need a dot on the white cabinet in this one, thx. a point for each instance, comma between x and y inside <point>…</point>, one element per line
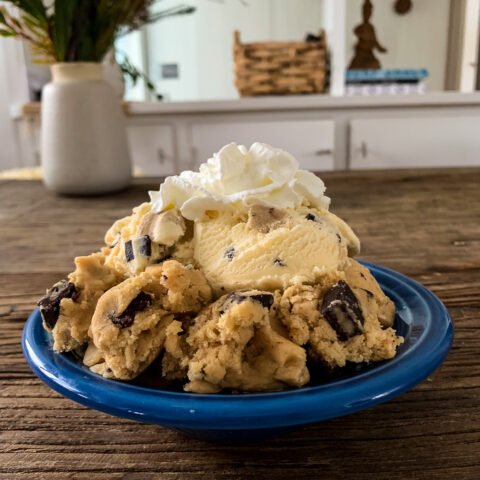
<point>311,142</point>
<point>415,142</point>
<point>153,149</point>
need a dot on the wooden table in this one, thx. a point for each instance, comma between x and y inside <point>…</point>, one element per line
<point>425,224</point>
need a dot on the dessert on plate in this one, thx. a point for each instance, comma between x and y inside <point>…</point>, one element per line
<point>232,277</point>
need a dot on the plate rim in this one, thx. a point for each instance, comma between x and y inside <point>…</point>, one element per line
<point>254,410</point>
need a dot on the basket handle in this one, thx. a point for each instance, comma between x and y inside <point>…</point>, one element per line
<point>323,36</point>
<point>236,37</point>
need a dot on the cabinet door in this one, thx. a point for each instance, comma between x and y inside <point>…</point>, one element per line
<point>153,149</point>
<point>415,142</point>
<point>311,142</point>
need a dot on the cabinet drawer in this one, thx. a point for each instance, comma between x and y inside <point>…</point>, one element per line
<point>414,142</point>
<point>153,149</point>
<point>311,142</point>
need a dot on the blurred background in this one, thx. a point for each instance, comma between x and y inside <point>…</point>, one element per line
<point>355,84</point>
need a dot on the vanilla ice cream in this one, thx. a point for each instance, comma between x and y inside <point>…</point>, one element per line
<point>259,221</point>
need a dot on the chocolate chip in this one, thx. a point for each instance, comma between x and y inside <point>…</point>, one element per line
<point>339,238</point>
<point>362,275</point>
<point>138,247</point>
<point>235,297</point>
<point>230,253</point>
<point>279,262</point>
<point>311,217</point>
<point>145,246</point>
<point>129,256</point>
<point>138,304</point>
<point>265,299</point>
<point>49,305</point>
<point>341,309</point>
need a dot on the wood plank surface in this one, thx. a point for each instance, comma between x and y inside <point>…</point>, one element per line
<point>423,223</point>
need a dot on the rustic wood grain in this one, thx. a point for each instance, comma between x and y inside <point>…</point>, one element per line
<point>425,224</point>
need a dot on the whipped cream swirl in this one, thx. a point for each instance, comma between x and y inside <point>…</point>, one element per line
<point>236,178</point>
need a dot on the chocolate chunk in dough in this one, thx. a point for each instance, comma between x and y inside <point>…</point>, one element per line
<point>138,246</point>
<point>49,305</point>
<point>230,253</point>
<point>138,304</point>
<point>279,262</point>
<point>129,256</point>
<point>310,217</point>
<point>341,309</point>
<point>264,298</point>
<point>145,246</point>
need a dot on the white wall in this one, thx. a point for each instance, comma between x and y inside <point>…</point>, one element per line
<point>290,20</point>
<point>415,40</point>
<point>469,60</point>
<point>201,43</point>
<point>13,93</point>
<point>131,45</point>
<point>173,40</point>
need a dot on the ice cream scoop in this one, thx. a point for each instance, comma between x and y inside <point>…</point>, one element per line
<point>259,221</point>
<point>272,249</point>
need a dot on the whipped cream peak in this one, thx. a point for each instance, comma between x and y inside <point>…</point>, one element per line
<point>236,178</point>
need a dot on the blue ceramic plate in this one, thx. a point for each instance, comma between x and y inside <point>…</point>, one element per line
<point>421,319</point>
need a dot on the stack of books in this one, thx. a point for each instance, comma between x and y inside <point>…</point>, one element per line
<point>385,82</point>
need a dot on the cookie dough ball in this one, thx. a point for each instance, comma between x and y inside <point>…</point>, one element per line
<point>143,238</point>
<point>68,307</point>
<point>187,288</point>
<point>342,323</point>
<point>231,344</point>
<point>358,276</point>
<point>128,329</point>
<point>129,324</point>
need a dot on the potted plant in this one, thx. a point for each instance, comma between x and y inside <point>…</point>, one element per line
<point>84,143</point>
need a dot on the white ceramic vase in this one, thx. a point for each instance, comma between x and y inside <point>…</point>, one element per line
<point>84,142</point>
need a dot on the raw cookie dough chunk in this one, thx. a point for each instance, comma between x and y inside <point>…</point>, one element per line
<point>344,322</point>
<point>231,344</point>
<point>359,276</point>
<point>68,306</point>
<point>143,238</point>
<point>264,219</point>
<point>128,327</point>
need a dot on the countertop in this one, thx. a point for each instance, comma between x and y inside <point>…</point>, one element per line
<point>283,103</point>
<point>425,224</point>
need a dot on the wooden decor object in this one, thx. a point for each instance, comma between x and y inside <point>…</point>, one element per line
<point>403,6</point>
<point>364,58</point>
<point>280,68</point>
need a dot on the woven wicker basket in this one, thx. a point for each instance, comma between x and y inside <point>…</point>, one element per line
<point>280,68</point>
